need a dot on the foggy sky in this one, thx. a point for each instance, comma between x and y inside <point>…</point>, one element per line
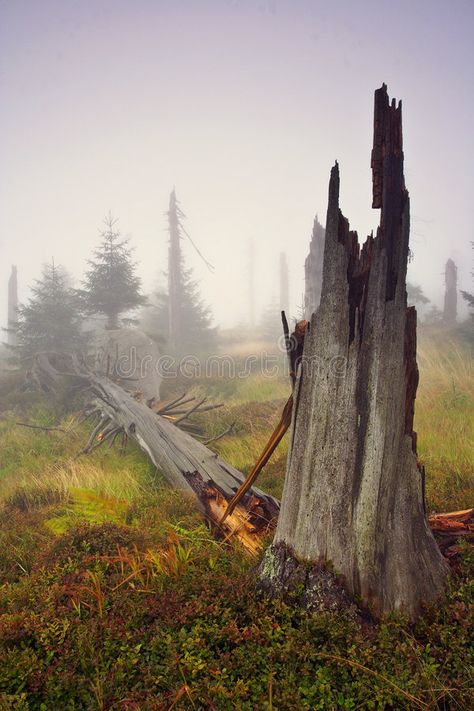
<point>243,106</point>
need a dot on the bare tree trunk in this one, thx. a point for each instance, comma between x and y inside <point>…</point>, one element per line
<point>174,275</point>
<point>313,270</point>
<point>12,307</point>
<point>451,292</point>
<point>353,491</point>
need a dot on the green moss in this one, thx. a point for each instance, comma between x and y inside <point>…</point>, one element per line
<point>86,505</point>
<point>176,609</point>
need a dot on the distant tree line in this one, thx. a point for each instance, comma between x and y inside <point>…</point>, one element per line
<point>57,316</point>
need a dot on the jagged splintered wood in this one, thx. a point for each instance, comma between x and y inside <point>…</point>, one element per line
<point>353,489</point>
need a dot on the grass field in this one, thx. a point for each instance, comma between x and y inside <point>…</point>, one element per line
<point>113,594</point>
<point>444,419</point>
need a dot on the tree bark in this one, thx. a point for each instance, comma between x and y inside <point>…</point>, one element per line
<point>353,491</point>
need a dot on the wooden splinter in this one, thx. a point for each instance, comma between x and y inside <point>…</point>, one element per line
<point>294,348</point>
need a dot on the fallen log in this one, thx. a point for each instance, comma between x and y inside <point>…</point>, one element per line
<point>185,463</point>
<point>450,528</point>
<point>462,521</point>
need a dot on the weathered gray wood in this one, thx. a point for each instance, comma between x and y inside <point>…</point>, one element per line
<point>313,270</point>
<point>353,492</point>
<point>189,465</point>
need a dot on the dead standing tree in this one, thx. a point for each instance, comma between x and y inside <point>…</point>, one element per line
<point>12,307</point>
<point>451,292</point>
<point>175,276</point>
<point>353,489</point>
<point>313,270</point>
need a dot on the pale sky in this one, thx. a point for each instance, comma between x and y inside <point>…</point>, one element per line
<point>243,105</point>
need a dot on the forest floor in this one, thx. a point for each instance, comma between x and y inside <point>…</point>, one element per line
<point>114,595</point>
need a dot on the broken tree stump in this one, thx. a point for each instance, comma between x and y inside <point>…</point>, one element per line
<point>353,491</point>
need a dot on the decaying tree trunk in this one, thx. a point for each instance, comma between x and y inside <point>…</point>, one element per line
<point>353,492</point>
<point>12,307</point>
<point>184,462</point>
<point>313,270</point>
<point>451,292</point>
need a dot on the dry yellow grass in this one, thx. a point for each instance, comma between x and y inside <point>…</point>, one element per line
<point>444,420</point>
<point>38,467</point>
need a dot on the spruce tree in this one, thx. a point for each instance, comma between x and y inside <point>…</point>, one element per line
<point>52,319</point>
<point>197,332</point>
<point>416,296</point>
<point>180,316</point>
<point>111,286</point>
